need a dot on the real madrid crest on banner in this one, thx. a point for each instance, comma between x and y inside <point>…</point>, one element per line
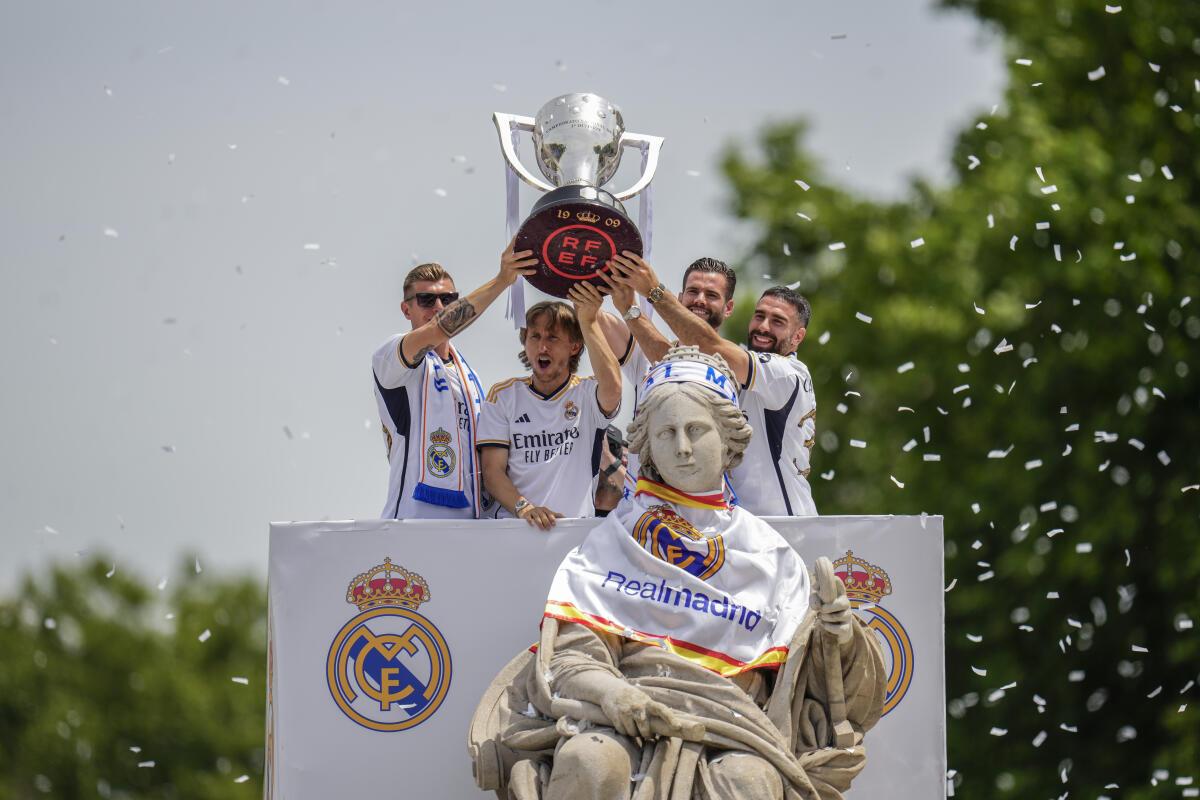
<point>388,668</point>
<point>440,456</point>
<point>667,536</point>
<point>866,585</point>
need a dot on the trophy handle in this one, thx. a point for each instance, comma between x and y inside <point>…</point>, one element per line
<point>650,145</point>
<point>506,124</point>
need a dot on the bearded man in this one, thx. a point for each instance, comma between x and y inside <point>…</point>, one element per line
<point>683,651</point>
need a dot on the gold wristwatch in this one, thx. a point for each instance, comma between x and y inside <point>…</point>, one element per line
<point>656,293</point>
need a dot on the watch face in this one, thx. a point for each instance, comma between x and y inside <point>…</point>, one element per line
<point>633,313</point>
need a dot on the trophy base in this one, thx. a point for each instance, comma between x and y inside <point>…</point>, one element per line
<point>574,231</point>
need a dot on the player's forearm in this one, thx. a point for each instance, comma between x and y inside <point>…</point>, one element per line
<point>687,326</point>
<point>649,338</point>
<point>453,319</point>
<point>692,330</point>
<point>500,486</point>
<point>604,367</point>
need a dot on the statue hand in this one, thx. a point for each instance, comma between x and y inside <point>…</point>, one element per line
<point>630,711</point>
<point>830,601</point>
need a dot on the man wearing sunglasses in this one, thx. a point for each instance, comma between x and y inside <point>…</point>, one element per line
<point>429,397</point>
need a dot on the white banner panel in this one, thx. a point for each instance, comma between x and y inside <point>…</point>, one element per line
<point>371,695</point>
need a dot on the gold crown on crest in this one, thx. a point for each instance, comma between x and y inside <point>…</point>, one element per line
<point>864,581</point>
<point>587,216</point>
<point>439,437</point>
<point>387,585</point>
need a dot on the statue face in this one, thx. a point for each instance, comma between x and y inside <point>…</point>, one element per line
<point>685,443</point>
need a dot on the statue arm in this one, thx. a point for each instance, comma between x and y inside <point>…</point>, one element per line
<point>584,668</point>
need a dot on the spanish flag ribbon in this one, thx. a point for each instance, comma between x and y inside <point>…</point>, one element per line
<point>711,500</point>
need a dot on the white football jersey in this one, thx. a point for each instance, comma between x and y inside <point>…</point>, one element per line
<point>781,407</point>
<point>398,393</point>
<point>553,442</point>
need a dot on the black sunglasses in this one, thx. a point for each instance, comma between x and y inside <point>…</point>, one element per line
<point>427,299</point>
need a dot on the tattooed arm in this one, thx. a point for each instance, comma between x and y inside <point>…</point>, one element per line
<point>456,317</point>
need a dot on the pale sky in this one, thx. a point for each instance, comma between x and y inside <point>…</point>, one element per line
<point>181,366</point>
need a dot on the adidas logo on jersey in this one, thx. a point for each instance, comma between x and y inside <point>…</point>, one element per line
<point>522,418</point>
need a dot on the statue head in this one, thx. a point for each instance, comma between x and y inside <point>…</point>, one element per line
<point>687,429</point>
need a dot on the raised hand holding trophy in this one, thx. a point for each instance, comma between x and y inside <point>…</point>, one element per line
<point>577,226</point>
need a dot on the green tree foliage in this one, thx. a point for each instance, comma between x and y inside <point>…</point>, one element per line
<point>112,689</point>
<point>1051,411</point>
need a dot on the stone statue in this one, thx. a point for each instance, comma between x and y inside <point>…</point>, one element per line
<point>685,652</point>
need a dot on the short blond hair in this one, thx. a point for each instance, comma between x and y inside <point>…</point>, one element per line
<point>430,272</point>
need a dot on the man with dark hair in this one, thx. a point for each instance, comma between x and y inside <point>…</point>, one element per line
<point>776,388</point>
<point>541,436</point>
<point>429,397</point>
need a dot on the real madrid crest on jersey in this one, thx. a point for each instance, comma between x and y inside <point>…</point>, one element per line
<point>665,535</point>
<point>866,585</point>
<point>440,456</point>
<point>388,668</point>
<point>570,410</point>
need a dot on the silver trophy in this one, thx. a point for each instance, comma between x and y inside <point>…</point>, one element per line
<point>577,226</point>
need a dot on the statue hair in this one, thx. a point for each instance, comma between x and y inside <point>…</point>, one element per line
<point>731,422</point>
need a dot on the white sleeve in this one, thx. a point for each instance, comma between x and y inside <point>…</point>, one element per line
<point>493,430</point>
<point>634,364</point>
<point>391,370</point>
<point>596,418</point>
<point>774,379</point>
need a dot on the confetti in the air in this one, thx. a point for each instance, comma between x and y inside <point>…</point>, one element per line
<point>802,185</point>
<point>838,246</point>
<point>905,367</point>
<point>204,636</point>
<point>918,242</point>
<point>861,317</point>
<point>1096,74</point>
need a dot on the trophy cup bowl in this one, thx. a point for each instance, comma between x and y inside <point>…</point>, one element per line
<point>576,226</point>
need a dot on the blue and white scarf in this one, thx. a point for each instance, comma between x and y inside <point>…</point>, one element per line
<point>447,453</point>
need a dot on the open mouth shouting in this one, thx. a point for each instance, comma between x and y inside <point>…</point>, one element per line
<point>543,362</point>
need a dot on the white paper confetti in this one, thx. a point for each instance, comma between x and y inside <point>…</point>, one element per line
<point>802,184</point>
<point>838,246</point>
<point>205,635</point>
<point>861,317</point>
<point>1096,74</point>
<point>918,242</point>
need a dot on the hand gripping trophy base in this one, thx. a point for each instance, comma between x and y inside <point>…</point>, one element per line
<point>574,231</point>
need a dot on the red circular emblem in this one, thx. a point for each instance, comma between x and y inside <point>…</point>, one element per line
<point>577,252</point>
